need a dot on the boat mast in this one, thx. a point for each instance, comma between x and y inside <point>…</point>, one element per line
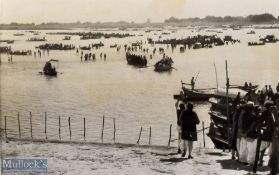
<point>227,93</point>
<point>216,77</point>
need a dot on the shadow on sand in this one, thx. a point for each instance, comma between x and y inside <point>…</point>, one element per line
<point>173,160</point>
<point>160,154</point>
<point>235,165</point>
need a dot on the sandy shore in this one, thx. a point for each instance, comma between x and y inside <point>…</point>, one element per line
<point>84,159</point>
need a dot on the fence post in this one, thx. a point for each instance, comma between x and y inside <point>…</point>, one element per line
<point>59,128</point>
<point>203,134</point>
<point>150,135</point>
<point>139,135</point>
<point>46,125</point>
<point>31,125</point>
<point>69,120</point>
<point>102,136</point>
<point>18,121</point>
<point>114,130</point>
<point>6,126</point>
<point>170,136</point>
<point>84,128</point>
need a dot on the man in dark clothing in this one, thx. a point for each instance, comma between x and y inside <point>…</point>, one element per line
<point>189,119</point>
<point>267,126</point>
<point>178,112</point>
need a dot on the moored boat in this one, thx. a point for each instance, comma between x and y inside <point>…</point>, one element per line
<point>163,65</point>
<point>251,32</point>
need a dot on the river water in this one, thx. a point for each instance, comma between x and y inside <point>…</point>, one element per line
<point>135,97</point>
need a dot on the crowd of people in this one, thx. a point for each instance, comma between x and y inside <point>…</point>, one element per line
<point>255,118</point>
<point>203,41</point>
<point>56,46</point>
<point>253,127</point>
<point>136,60</point>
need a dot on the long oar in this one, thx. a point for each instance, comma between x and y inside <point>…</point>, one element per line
<point>197,76</point>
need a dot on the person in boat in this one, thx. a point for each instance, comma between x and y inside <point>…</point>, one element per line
<point>247,135</point>
<point>248,96</point>
<point>179,109</point>
<point>250,85</point>
<point>188,120</point>
<point>261,98</point>
<point>245,85</point>
<point>192,83</point>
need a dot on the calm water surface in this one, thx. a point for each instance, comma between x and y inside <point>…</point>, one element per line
<point>135,97</point>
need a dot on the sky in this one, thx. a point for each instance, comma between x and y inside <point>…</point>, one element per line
<point>38,11</point>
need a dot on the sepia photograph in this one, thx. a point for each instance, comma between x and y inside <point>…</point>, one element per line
<point>139,87</point>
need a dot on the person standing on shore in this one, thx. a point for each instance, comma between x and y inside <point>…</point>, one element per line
<point>189,119</point>
<point>178,112</point>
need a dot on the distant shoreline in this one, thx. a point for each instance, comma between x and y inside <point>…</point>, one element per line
<point>135,25</point>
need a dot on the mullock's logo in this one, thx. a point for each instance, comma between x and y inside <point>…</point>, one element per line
<point>24,165</point>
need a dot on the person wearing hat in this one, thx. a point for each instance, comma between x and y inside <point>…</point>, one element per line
<point>188,120</point>
<point>178,112</point>
<point>247,132</point>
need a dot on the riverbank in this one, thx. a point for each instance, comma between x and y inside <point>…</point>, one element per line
<point>124,159</point>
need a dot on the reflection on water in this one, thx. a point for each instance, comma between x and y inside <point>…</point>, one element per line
<point>135,97</point>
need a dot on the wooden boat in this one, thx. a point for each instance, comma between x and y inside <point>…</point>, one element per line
<point>219,142</point>
<point>218,131</point>
<point>113,46</point>
<point>37,39</point>
<point>49,70</point>
<point>136,60</point>
<point>256,43</point>
<point>67,38</point>
<point>18,34</point>
<point>245,88</point>
<point>163,65</point>
<point>251,32</point>
<point>218,118</point>
<point>198,95</point>
<point>85,48</point>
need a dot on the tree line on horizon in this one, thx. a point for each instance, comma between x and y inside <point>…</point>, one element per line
<point>261,18</point>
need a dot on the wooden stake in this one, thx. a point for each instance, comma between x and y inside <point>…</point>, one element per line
<point>59,128</point>
<point>46,125</point>
<point>69,120</point>
<point>18,121</point>
<point>84,128</point>
<point>114,130</point>
<point>259,140</point>
<point>170,136</point>
<point>6,126</point>
<point>102,135</point>
<point>150,135</point>
<point>139,135</point>
<point>203,134</point>
<point>31,125</point>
